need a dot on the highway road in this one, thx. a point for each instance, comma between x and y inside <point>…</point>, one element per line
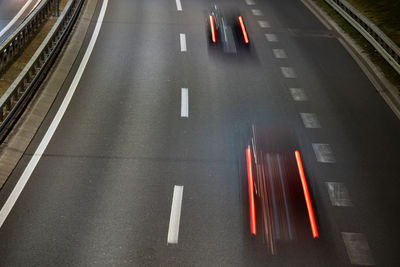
<point>157,108</point>
<point>12,13</point>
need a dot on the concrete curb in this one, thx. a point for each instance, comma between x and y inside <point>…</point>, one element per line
<point>13,148</point>
<point>383,86</point>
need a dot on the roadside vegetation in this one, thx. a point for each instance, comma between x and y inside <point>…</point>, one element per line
<point>383,13</point>
<point>388,21</point>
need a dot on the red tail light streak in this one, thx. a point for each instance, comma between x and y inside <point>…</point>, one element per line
<point>213,37</point>
<point>306,195</point>
<point>246,39</point>
<point>251,192</point>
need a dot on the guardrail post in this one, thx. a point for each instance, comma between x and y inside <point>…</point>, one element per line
<point>56,4</point>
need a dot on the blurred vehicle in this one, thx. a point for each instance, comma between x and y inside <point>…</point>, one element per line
<point>279,202</point>
<point>227,30</point>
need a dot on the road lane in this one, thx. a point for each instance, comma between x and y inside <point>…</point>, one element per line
<point>118,91</point>
<point>357,123</point>
<point>101,195</point>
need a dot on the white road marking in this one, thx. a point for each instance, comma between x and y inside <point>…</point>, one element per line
<point>178,5</point>
<point>185,102</point>
<point>271,37</point>
<point>175,217</point>
<point>263,24</point>
<point>256,12</point>
<point>288,72</point>
<point>183,42</point>
<point>17,16</point>
<point>338,194</point>
<point>324,153</point>
<point>279,53</point>
<point>250,2</point>
<point>5,210</point>
<point>310,120</point>
<point>358,249</point>
<point>298,94</point>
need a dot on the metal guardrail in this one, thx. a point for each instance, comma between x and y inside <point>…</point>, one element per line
<point>21,90</point>
<point>15,43</point>
<point>383,44</point>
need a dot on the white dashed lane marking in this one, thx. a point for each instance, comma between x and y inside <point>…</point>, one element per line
<point>298,94</point>
<point>279,53</point>
<point>256,12</point>
<point>358,249</point>
<point>271,37</point>
<point>263,24</point>
<point>323,153</point>
<point>338,194</point>
<point>288,72</point>
<point>183,42</point>
<point>185,102</point>
<point>175,217</point>
<point>250,2</point>
<point>178,5</point>
<point>310,120</point>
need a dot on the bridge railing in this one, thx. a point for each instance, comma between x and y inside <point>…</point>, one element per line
<point>13,101</point>
<point>15,43</point>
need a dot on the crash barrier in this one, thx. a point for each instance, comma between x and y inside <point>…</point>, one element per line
<point>386,47</point>
<point>14,44</point>
<point>20,91</point>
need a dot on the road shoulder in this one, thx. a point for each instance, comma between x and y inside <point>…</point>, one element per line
<point>382,85</point>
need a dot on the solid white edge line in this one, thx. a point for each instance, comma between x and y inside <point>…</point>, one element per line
<point>178,5</point>
<point>19,14</point>
<point>183,42</point>
<point>12,199</point>
<point>174,220</point>
<point>185,102</point>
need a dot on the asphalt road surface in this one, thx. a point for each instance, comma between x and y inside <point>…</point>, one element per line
<point>102,192</point>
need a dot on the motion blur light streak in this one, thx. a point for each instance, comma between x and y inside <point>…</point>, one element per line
<point>251,192</point>
<point>271,177</point>
<point>281,177</point>
<point>214,39</point>
<point>246,39</point>
<point>306,195</point>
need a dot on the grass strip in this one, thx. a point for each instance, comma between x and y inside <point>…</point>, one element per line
<point>383,13</point>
